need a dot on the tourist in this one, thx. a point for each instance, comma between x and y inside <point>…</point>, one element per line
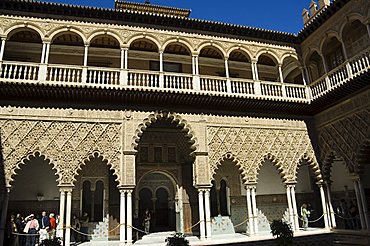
<point>20,223</point>
<point>31,229</point>
<point>76,226</point>
<point>343,212</point>
<point>146,221</point>
<point>45,225</point>
<point>52,226</point>
<point>305,213</point>
<point>14,240</point>
<point>59,228</point>
<point>84,227</point>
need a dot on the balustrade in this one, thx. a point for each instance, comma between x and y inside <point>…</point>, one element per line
<point>23,71</point>
<point>106,76</point>
<point>63,73</point>
<point>215,84</point>
<point>19,71</point>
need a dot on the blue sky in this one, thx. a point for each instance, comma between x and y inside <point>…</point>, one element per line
<point>280,15</point>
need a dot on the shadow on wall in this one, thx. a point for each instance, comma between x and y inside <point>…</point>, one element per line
<point>3,193</point>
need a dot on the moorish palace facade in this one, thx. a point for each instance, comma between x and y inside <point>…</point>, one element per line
<point>114,111</point>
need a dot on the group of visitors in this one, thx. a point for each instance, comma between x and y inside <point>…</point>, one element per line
<point>349,216</point>
<point>32,229</point>
<point>80,228</point>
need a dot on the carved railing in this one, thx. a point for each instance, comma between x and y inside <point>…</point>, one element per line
<point>19,71</point>
<point>45,73</point>
<point>106,76</point>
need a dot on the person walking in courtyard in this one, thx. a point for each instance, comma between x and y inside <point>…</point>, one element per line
<point>84,227</point>
<point>31,229</point>
<point>305,213</point>
<point>146,221</point>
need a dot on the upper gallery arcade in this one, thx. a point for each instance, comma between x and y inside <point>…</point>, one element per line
<point>142,107</point>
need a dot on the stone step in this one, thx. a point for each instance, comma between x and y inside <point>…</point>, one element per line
<point>157,238</point>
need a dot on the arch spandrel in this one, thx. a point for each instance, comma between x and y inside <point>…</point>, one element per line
<point>66,144</point>
<point>251,146</point>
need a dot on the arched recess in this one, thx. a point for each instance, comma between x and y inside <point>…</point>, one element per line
<point>168,116</point>
<point>240,64</point>
<point>143,55</point>
<point>104,197</point>
<point>270,189</point>
<point>177,58</point>
<point>332,50</point>
<point>67,47</point>
<point>211,61</point>
<point>355,38</point>
<point>228,193</point>
<point>308,177</point>
<point>164,143</point>
<point>291,71</point>
<point>267,66</point>
<point>337,175</point>
<point>23,44</point>
<point>104,51</point>
<point>315,66</point>
<point>35,188</point>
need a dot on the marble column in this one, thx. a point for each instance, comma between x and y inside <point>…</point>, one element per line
<point>359,203</point>
<point>201,215</point>
<point>208,213</point>
<point>281,74</point>
<point>290,207</point>
<point>62,202</point>
<point>129,216</point>
<point>323,201</point>
<point>68,218</point>
<point>2,48</point>
<point>122,215</point>
<point>331,210</point>
<point>250,215</point>
<point>4,211</point>
<point>254,209</point>
<point>364,204</point>
<point>294,205</point>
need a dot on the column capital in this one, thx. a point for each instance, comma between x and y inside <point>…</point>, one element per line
<point>161,51</point>
<point>195,53</point>
<point>126,188</point>
<point>250,186</point>
<point>86,44</point>
<point>226,58</point>
<point>290,185</point>
<point>124,47</point>
<point>355,177</point>
<point>201,188</point>
<point>129,152</point>
<point>65,188</point>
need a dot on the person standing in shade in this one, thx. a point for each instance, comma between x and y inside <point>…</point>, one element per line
<point>31,229</point>
<point>45,226</point>
<point>84,227</point>
<point>146,221</point>
<point>305,213</point>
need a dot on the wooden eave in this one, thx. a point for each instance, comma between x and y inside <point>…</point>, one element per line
<point>143,19</point>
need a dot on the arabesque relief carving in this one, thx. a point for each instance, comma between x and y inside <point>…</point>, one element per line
<point>66,144</point>
<point>249,147</point>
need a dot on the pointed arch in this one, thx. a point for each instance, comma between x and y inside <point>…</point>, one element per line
<point>174,118</point>
<point>275,162</point>
<point>28,157</point>
<point>314,166</point>
<point>97,154</point>
<point>228,156</point>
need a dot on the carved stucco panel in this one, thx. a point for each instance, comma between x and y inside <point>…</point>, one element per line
<point>345,137</point>
<point>250,146</point>
<point>65,144</point>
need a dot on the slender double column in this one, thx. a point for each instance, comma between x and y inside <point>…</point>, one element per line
<point>291,205</point>
<point>361,203</point>
<point>65,211</point>
<point>204,213</point>
<point>252,209</point>
<point>195,71</point>
<point>324,206</point>
<point>332,221</point>
<point>2,48</point>
<point>126,215</point>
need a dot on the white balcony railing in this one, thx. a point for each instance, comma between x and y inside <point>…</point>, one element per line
<point>341,74</point>
<point>19,71</point>
<point>43,73</point>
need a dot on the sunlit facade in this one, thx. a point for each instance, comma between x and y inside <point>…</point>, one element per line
<point>115,111</point>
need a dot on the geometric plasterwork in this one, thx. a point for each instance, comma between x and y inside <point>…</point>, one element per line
<point>67,145</point>
<point>250,147</point>
<point>346,137</point>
